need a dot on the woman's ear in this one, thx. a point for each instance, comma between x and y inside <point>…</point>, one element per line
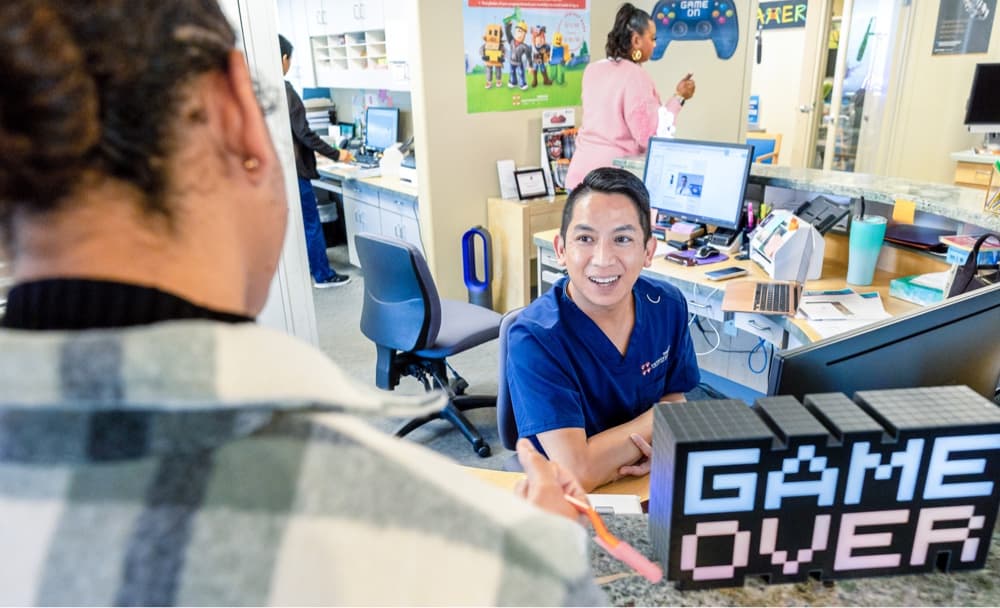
<point>249,136</point>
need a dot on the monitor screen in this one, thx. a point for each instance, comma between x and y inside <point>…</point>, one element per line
<point>698,181</point>
<point>381,128</point>
<point>953,342</point>
<point>982,113</point>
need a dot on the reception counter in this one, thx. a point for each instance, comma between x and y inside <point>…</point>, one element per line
<point>626,588</point>
<point>951,202</point>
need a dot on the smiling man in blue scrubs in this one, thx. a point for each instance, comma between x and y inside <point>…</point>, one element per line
<point>589,358</point>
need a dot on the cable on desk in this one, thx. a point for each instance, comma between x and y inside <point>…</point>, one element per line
<point>762,346</point>
<point>718,336</point>
<point>704,336</point>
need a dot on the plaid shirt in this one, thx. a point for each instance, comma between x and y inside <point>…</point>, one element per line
<point>194,462</point>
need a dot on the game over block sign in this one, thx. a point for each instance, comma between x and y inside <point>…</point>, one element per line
<point>896,482</point>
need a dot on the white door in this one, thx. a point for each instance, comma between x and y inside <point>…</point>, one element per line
<point>845,85</point>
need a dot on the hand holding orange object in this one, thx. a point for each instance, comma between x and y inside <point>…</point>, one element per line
<point>547,484</point>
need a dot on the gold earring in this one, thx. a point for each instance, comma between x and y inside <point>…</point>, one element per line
<point>251,164</point>
<point>636,55</point>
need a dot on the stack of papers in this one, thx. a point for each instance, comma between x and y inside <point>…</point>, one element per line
<point>836,311</point>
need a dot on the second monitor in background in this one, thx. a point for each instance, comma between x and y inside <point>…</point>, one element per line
<point>698,181</point>
<point>381,129</point>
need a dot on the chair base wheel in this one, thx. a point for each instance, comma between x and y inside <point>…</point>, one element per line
<point>482,450</point>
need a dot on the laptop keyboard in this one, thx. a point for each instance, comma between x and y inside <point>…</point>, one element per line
<point>771,297</point>
<point>365,160</point>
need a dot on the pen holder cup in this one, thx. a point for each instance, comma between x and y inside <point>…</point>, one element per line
<point>865,244</point>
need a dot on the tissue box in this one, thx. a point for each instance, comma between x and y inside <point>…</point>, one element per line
<point>905,289</point>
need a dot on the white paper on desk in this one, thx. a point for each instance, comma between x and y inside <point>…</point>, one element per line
<point>831,328</point>
<point>505,171</point>
<point>615,504</point>
<point>834,312</point>
<point>840,306</point>
<point>934,280</point>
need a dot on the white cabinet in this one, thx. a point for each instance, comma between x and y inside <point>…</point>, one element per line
<point>399,217</point>
<point>369,208</point>
<point>293,16</point>
<point>400,47</point>
<point>339,16</point>
<point>361,15</point>
<point>363,44</point>
<point>361,213</point>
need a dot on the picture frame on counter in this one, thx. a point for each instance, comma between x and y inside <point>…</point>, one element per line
<point>530,183</point>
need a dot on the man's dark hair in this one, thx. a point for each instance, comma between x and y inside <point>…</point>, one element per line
<point>286,46</point>
<point>611,180</point>
<point>629,20</point>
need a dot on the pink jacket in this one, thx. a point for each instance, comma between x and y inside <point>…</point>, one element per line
<point>620,106</point>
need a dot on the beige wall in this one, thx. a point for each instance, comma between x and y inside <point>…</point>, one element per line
<point>926,116</point>
<point>457,151</point>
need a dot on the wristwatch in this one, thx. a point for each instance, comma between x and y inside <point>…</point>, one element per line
<point>679,99</point>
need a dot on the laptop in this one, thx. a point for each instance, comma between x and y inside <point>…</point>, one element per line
<point>769,297</point>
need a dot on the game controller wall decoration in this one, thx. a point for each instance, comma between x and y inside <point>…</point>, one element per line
<point>697,20</point>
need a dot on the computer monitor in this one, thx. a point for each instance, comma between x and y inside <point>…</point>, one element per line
<point>698,181</point>
<point>381,128</point>
<point>982,112</point>
<point>953,342</point>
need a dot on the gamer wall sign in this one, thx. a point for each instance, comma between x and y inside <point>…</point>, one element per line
<point>898,482</point>
<point>782,14</point>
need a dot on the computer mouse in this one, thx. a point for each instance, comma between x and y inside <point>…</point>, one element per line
<point>706,251</point>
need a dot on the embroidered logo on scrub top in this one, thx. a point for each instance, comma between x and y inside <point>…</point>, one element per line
<point>648,367</point>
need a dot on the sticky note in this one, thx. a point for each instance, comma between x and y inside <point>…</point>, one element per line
<point>903,210</point>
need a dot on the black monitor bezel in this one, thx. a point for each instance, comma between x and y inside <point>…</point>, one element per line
<point>976,90</point>
<point>367,116</point>
<point>691,217</point>
<point>791,369</point>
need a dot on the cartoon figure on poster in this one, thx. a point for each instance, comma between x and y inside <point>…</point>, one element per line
<point>504,40</point>
<point>520,52</point>
<point>559,58</point>
<point>540,56</point>
<point>492,53</point>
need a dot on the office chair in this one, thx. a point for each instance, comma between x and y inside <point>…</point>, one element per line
<point>766,147</point>
<point>506,424</point>
<point>414,330</point>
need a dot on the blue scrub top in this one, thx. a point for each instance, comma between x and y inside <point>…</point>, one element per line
<point>563,372</point>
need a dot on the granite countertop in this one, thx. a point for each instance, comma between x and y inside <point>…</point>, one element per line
<point>953,202</point>
<point>625,588</point>
<point>971,156</point>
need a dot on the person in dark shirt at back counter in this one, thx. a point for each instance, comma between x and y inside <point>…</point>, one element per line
<point>305,141</point>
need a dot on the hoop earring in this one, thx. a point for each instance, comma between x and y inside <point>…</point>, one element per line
<point>636,55</point>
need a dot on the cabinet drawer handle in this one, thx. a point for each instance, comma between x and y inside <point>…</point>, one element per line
<point>753,323</point>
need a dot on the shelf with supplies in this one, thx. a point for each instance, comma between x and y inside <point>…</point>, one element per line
<point>352,60</point>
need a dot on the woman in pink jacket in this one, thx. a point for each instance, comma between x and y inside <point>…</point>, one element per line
<point>620,102</point>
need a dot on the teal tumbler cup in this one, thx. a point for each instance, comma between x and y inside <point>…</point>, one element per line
<point>865,244</point>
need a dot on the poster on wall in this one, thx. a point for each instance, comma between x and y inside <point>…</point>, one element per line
<point>964,26</point>
<point>524,55</point>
